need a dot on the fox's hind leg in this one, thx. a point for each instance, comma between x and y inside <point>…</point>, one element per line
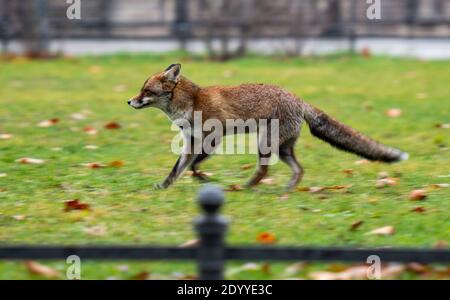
<point>206,153</point>
<point>261,171</point>
<point>196,173</point>
<point>287,155</point>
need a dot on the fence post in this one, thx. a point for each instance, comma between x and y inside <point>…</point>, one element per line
<point>211,228</point>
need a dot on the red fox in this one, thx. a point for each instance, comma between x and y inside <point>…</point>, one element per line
<point>179,97</point>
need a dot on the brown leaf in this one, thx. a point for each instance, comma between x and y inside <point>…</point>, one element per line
<point>440,244</point>
<point>113,125</point>
<point>234,188</point>
<point>394,112</point>
<point>356,224</point>
<point>386,230</point>
<point>417,195</point>
<point>117,163</point>
<point>48,123</point>
<point>294,269</point>
<point>419,209</point>
<point>443,126</point>
<point>144,275</point>
<point>247,166</point>
<point>19,217</point>
<point>266,238</point>
<point>366,53</point>
<point>39,269</point>
<point>349,172</point>
<point>94,165</point>
<point>29,160</point>
<point>75,204</point>
<point>418,268</point>
<point>284,197</point>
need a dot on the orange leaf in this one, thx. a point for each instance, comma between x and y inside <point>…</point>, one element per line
<point>39,269</point>
<point>113,125</point>
<point>75,205</point>
<point>418,209</point>
<point>394,112</point>
<point>117,163</point>
<point>266,238</point>
<point>417,195</point>
<point>5,136</point>
<point>29,160</point>
<point>90,130</point>
<point>48,123</point>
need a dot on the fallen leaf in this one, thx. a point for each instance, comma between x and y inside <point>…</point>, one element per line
<point>3,174</point>
<point>359,272</point>
<point>268,181</point>
<point>349,172</point>
<point>19,217</point>
<point>356,225</point>
<point>234,188</point>
<point>91,147</point>
<point>383,175</point>
<point>366,53</point>
<point>123,268</point>
<point>48,123</point>
<point>141,276</point>
<point>317,189</point>
<point>266,238</point>
<point>56,149</point>
<point>39,269</point>
<point>418,268</point>
<point>245,267</point>
<point>5,136</point>
<point>417,195</point>
<point>90,130</point>
<point>75,204</point>
<point>117,163</point>
<point>294,269</point>
<point>381,183</point>
<point>78,116</point>
<point>247,166</point>
<point>418,209</point>
<point>112,126</point>
<point>394,112</point>
<point>443,126</point>
<point>362,162</point>
<point>386,230</point>
<point>98,230</point>
<point>29,160</point>
<point>190,243</point>
<point>94,165</point>
<point>439,185</point>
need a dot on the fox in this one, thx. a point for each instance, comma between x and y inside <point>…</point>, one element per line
<point>178,97</point>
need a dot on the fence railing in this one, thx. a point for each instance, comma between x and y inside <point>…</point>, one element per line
<point>212,252</point>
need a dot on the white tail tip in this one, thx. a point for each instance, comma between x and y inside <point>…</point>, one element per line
<point>404,156</point>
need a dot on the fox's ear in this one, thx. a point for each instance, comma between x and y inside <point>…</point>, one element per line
<point>172,73</point>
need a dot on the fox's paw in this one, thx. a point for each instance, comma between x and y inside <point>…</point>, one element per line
<point>159,186</point>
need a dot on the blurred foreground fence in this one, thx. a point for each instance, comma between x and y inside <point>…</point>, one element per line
<point>219,23</point>
<point>212,253</point>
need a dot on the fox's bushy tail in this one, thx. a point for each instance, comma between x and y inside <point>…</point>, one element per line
<point>348,139</point>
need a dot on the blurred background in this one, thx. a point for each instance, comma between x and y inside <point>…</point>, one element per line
<point>226,29</point>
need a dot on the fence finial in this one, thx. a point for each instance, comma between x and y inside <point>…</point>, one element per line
<point>211,198</point>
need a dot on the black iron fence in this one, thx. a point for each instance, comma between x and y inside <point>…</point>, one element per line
<point>212,253</point>
<point>38,21</point>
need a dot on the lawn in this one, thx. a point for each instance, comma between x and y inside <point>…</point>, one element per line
<point>85,94</point>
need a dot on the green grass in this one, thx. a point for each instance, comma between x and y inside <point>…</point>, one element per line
<point>355,90</point>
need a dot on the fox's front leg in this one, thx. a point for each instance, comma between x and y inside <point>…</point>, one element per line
<point>184,161</point>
